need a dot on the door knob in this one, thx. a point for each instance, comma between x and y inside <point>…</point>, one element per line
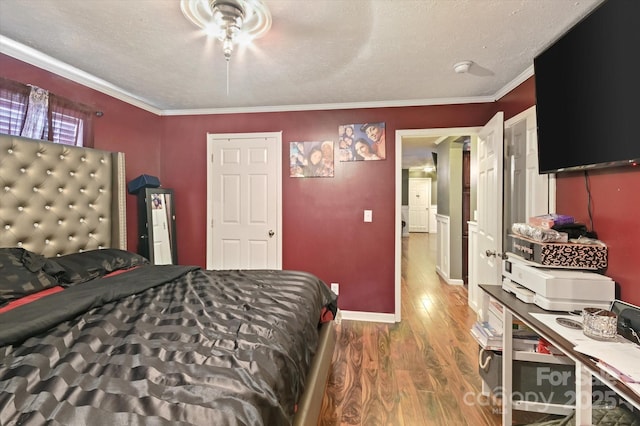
<point>491,253</point>
<point>271,233</point>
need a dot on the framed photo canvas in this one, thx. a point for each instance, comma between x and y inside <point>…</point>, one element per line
<point>311,159</point>
<point>362,142</point>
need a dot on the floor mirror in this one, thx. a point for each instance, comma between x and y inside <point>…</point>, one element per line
<point>157,226</point>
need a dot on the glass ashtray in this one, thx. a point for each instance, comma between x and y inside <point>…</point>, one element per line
<point>599,324</point>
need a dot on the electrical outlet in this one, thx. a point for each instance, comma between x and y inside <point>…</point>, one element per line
<point>335,287</point>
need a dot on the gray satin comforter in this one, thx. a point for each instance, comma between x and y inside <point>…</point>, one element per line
<point>163,345</point>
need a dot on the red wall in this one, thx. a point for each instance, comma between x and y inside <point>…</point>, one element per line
<point>323,231</point>
<point>615,203</point>
<point>123,127</point>
<point>615,200</point>
<point>518,99</point>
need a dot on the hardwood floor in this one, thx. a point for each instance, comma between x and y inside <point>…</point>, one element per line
<point>418,372</point>
<point>422,371</point>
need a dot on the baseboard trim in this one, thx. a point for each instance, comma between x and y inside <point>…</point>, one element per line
<point>450,281</point>
<point>368,316</point>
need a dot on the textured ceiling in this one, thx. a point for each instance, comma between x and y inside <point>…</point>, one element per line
<point>318,54</point>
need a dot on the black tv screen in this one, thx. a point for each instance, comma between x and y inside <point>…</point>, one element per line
<point>588,92</point>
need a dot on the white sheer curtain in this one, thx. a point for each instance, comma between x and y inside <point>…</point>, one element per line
<point>36,119</point>
<point>30,111</point>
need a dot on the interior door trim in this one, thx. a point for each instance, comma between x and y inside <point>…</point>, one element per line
<point>278,138</point>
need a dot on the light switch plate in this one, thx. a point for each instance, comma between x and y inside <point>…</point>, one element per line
<point>368,215</point>
<point>335,287</point>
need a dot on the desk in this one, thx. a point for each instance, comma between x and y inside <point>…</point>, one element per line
<point>586,367</point>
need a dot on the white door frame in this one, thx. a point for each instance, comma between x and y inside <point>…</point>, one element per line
<point>536,183</point>
<point>454,131</point>
<point>490,201</point>
<point>278,137</point>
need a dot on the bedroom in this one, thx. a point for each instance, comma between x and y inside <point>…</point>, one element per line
<point>172,147</point>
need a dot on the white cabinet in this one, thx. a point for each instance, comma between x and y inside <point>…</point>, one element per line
<point>433,226</point>
<point>443,264</point>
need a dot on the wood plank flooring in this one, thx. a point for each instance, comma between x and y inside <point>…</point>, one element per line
<point>422,371</point>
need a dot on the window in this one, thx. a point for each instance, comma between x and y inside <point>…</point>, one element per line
<point>71,123</point>
<point>67,122</point>
<point>13,107</point>
<point>66,129</point>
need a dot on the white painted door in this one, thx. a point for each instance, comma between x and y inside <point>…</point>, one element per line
<point>419,204</point>
<point>538,186</point>
<point>490,163</point>
<point>515,184</point>
<point>527,192</point>
<point>244,201</point>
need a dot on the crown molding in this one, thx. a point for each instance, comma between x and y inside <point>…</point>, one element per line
<point>524,75</point>
<point>319,107</point>
<point>31,56</point>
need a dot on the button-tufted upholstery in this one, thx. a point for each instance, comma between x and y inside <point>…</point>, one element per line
<point>58,199</point>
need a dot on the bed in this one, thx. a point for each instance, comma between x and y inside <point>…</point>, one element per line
<point>607,416</point>
<point>91,333</point>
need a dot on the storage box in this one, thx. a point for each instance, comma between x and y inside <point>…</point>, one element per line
<point>141,182</point>
<point>566,255</point>
<point>548,221</point>
<point>532,381</point>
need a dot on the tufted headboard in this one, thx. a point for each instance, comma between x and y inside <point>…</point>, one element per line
<point>58,199</point>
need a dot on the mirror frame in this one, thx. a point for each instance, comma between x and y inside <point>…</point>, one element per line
<point>145,215</point>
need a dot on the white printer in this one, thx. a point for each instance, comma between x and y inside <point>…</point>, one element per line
<point>556,289</point>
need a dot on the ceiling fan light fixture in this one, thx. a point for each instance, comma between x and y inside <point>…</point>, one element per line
<point>230,21</point>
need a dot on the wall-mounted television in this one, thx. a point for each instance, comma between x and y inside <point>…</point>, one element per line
<point>588,92</point>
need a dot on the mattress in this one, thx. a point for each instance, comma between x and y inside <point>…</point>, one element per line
<point>161,345</point>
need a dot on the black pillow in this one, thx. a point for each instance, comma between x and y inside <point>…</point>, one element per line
<point>77,268</point>
<point>22,272</point>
